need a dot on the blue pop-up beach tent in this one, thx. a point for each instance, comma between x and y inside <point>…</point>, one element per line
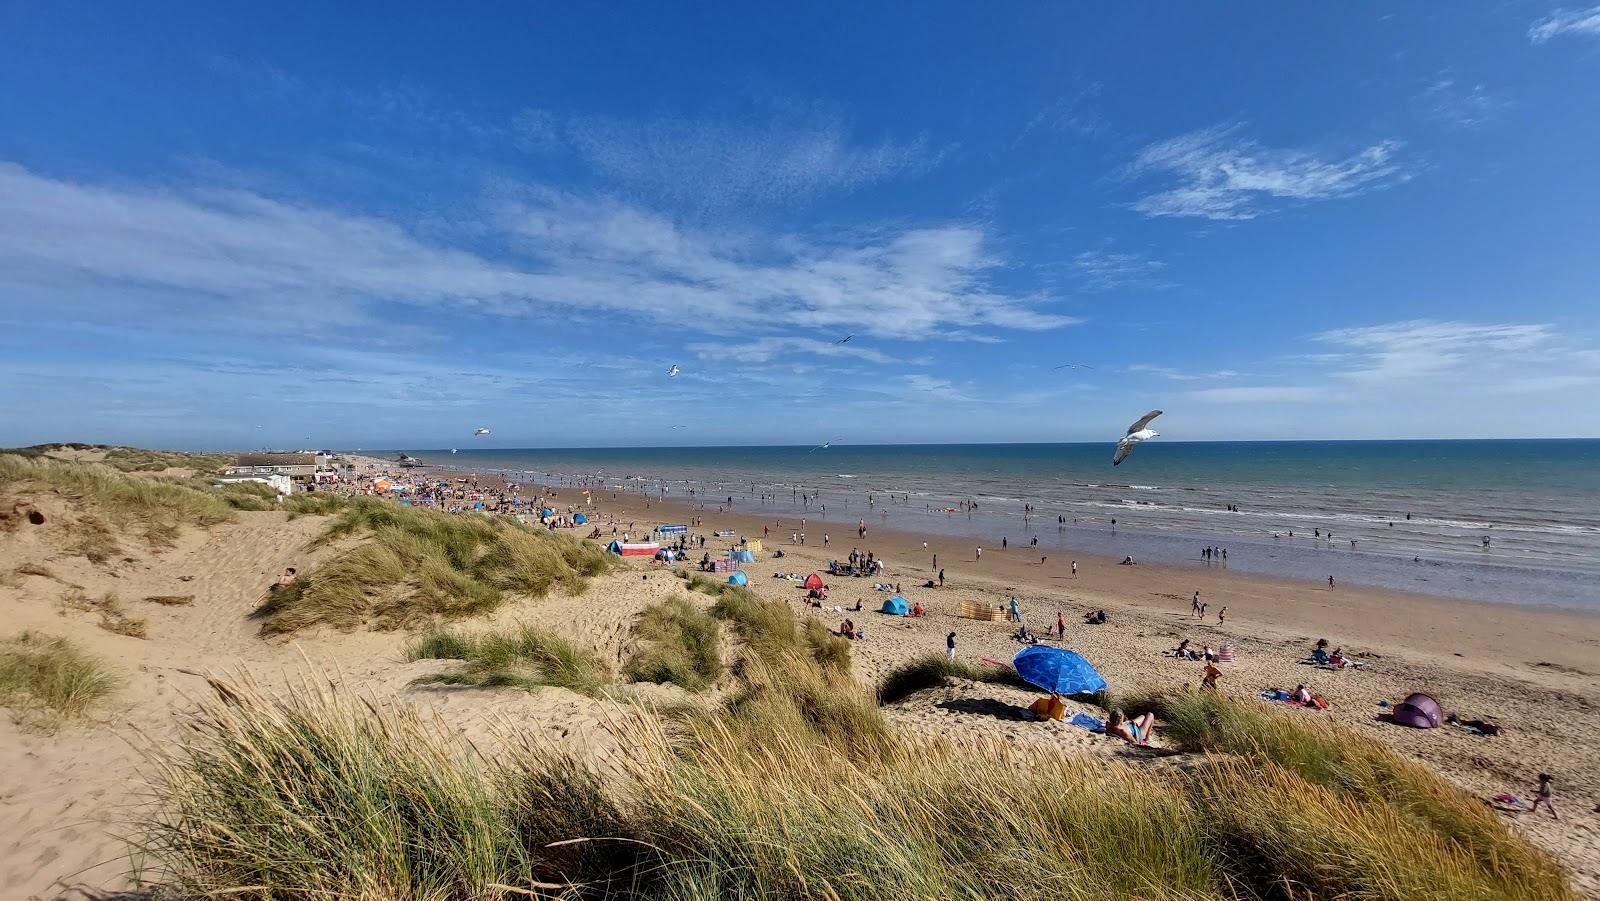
<point>547,512</point>
<point>1058,671</point>
<point>579,518</point>
<point>896,606</point>
<point>739,578</point>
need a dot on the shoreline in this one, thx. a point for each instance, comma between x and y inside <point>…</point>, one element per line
<point>1550,645</point>
<point>1376,545</point>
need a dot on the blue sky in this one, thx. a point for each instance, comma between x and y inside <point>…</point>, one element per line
<point>385,225</point>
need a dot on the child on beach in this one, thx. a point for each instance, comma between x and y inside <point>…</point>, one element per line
<point>1541,795</point>
<point>950,647</point>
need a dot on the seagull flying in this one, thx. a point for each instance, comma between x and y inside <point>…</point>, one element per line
<point>1074,366</point>
<point>823,446</point>
<point>1136,433</point>
<point>673,370</point>
<point>477,433</point>
<point>844,340</point>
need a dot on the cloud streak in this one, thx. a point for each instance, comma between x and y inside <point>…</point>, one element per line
<point>1106,270</point>
<point>1581,22</point>
<point>1424,348</point>
<point>240,256</point>
<point>789,157</point>
<point>1216,174</point>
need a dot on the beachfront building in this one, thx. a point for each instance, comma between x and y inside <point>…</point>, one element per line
<point>293,470</point>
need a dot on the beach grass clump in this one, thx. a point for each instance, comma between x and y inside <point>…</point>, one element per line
<point>418,566</point>
<point>48,679</point>
<point>1398,796</point>
<point>321,796</point>
<point>677,643</point>
<point>524,657</point>
<point>931,670</point>
<point>317,796</point>
<point>107,608</point>
<point>314,503</point>
<point>111,503</point>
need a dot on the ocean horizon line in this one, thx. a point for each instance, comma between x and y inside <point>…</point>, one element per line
<point>842,444</point>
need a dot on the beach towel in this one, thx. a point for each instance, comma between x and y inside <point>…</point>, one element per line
<point>1085,721</point>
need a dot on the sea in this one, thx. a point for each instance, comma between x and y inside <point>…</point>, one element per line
<point>1513,521</point>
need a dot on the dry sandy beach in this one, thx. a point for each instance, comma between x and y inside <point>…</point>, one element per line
<point>66,797</point>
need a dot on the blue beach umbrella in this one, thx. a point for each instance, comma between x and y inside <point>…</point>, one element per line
<point>1058,671</point>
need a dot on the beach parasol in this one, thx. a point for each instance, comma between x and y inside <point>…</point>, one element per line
<point>1058,671</point>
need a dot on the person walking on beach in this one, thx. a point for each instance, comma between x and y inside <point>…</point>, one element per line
<point>1074,569</point>
<point>935,561</point>
<point>1222,615</point>
<point>1194,605</point>
<point>950,647</point>
<point>1061,626</point>
<point>824,539</point>
<point>1004,543</point>
<point>941,578</point>
<point>1330,583</point>
<point>1541,795</point>
<point>980,553</point>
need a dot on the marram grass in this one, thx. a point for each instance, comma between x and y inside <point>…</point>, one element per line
<point>317,794</point>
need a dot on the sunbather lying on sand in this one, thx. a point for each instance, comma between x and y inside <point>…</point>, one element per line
<point>1137,731</point>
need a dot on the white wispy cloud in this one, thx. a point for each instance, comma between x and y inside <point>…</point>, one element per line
<point>785,156</point>
<point>1583,22</point>
<point>236,255</point>
<point>1107,270</point>
<point>1218,174</point>
<point>1424,348</point>
<point>1258,394</point>
<point>1178,375</point>
<point>777,347</point>
<point>1458,105</point>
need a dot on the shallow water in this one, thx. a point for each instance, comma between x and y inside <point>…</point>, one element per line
<point>1538,502</point>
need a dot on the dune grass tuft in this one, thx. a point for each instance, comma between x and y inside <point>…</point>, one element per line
<point>1355,768</point>
<point>421,565</point>
<point>934,669</point>
<point>108,608</point>
<point>111,502</point>
<point>48,679</point>
<point>525,657</point>
<point>678,643</point>
<point>318,795</point>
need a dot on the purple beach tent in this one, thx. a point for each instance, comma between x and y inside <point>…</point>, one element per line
<point>1418,711</point>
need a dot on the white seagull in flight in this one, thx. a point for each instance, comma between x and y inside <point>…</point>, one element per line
<point>844,340</point>
<point>1136,433</point>
<point>479,432</point>
<point>1074,366</point>
<point>673,370</point>
<point>823,446</point>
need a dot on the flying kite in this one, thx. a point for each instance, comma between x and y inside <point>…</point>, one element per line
<point>1136,433</point>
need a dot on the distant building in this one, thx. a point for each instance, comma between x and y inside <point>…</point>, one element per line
<point>296,467</point>
<point>284,484</point>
